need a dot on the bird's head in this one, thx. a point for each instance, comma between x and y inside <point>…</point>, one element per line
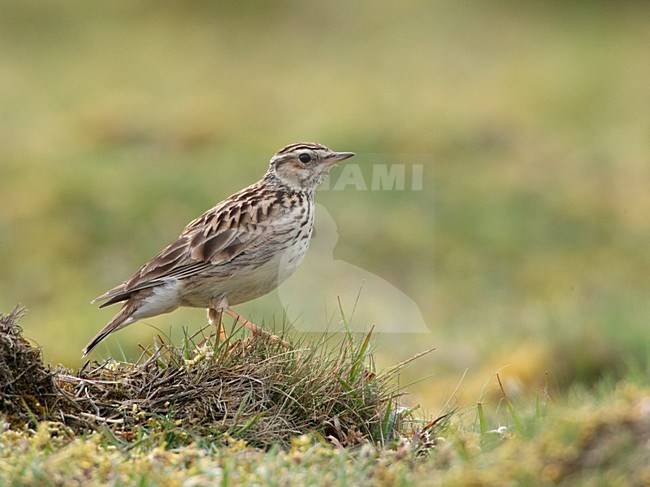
<point>304,166</point>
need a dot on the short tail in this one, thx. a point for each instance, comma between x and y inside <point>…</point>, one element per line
<point>120,320</point>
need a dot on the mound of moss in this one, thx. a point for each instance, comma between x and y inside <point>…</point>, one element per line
<point>255,390</point>
<point>28,389</point>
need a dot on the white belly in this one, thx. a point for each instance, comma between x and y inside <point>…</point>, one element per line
<point>248,280</point>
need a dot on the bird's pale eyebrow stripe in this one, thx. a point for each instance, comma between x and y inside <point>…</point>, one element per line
<point>300,145</point>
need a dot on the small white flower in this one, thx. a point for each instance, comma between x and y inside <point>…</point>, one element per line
<point>501,430</point>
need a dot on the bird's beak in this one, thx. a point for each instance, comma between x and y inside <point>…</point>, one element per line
<point>336,157</point>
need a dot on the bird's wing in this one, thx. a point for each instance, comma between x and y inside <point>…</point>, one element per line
<point>216,237</point>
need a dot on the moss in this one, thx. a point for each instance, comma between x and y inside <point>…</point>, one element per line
<point>27,388</point>
<point>256,391</point>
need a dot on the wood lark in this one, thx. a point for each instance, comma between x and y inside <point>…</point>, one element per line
<point>241,249</point>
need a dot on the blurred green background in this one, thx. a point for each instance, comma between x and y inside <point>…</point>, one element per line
<point>527,249</point>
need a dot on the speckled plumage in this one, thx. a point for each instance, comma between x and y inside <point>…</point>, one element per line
<point>239,250</point>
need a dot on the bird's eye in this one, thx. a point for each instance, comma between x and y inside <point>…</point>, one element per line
<point>304,158</point>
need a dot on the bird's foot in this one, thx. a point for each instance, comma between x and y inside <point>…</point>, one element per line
<point>255,330</point>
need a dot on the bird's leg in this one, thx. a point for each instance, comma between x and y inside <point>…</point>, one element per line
<point>214,318</point>
<point>255,330</point>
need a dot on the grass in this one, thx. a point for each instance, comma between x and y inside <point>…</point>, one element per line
<point>256,391</point>
<point>261,414</point>
<point>569,446</point>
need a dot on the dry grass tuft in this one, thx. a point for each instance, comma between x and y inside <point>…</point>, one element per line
<point>27,388</point>
<point>256,391</point>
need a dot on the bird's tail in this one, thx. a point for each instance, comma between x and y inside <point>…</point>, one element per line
<point>120,320</point>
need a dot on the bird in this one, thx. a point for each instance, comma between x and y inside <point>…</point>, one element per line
<point>242,248</point>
